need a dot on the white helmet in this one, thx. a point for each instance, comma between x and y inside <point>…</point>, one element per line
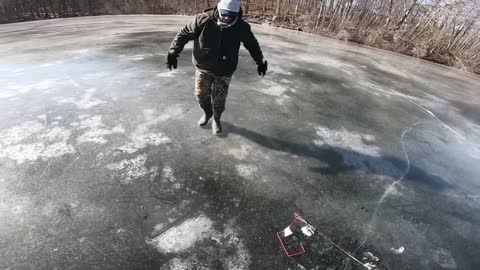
<point>228,11</point>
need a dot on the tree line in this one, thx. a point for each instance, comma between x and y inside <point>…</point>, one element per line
<point>445,31</point>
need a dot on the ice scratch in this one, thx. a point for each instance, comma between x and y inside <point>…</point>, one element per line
<point>73,82</point>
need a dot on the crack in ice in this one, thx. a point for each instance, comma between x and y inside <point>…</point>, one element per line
<point>390,188</point>
<point>388,191</point>
<point>410,99</point>
<point>438,119</point>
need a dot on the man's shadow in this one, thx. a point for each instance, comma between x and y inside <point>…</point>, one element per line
<point>333,159</point>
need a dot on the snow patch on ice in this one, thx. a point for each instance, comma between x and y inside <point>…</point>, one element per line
<point>14,207</point>
<point>358,142</point>
<point>137,57</point>
<point>356,148</point>
<point>153,117</point>
<point>246,171</point>
<point>330,62</point>
<point>49,64</point>
<point>339,64</point>
<point>10,90</point>
<point>273,89</point>
<point>168,174</point>
<point>167,74</point>
<point>131,169</point>
<point>241,260</point>
<point>397,251</point>
<point>58,133</point>
<point>183,236</point>
<point>240,153</point>
<point>301,267</point>
<point>444,258</point>
<point>178,264</point>
<point>282,100</point>
<point>83,51</point>
<point>474,153</point>
<point>143,136</point>
<point>169,178</point>
<point>31,140</point>
<point>158,228</point>
<point>224,247</point>
<point>368,256</point>
<point>31,152</point>
<point>140,140</point>
<point>87,101</point>
<point>20,132</point>
<point>22,152</point>
<point>96,130</point>
<point>45,84</point>
<point>279,70</point>
<point>96,75</point>
<point>378,89</point>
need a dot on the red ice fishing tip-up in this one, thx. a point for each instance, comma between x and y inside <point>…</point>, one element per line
<point>289,242</point>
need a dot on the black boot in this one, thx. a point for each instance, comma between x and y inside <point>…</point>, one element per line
<point>216,125</point>
<point>205,117</point>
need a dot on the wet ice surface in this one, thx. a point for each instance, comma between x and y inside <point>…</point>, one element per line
<point>102,165</point>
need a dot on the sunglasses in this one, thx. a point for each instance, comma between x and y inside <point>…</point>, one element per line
<point>226,19</point>
<point>227,16</point>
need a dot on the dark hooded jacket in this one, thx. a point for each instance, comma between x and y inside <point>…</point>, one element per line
<point>215,50</point>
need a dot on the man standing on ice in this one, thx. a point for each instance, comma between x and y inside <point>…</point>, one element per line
<point>217,34</point>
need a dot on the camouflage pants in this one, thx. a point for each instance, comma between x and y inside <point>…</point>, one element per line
<point>211,92</point>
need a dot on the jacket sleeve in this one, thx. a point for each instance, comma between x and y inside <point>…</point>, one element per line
<point>189,32</point>
<point>251,44</point>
